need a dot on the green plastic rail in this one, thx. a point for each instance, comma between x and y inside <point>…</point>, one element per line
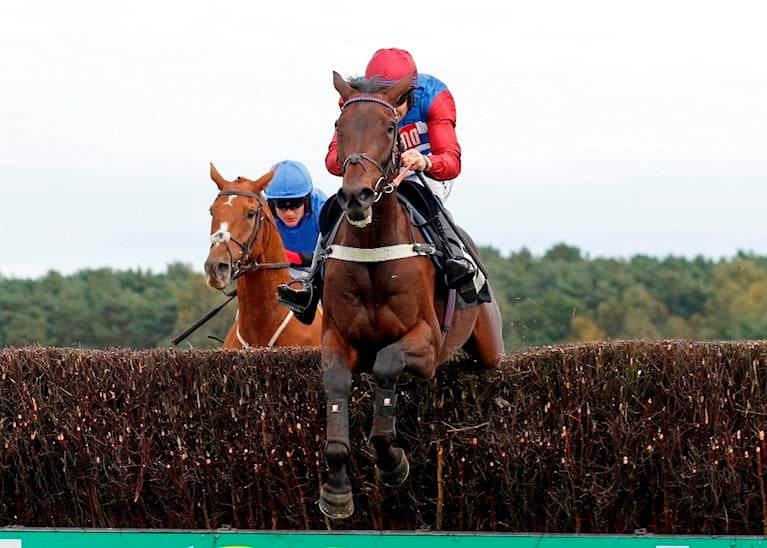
<point>111,538</point>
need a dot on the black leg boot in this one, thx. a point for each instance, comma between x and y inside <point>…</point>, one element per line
<point>303,295</point>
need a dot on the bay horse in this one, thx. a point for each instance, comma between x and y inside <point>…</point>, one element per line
<point>246,246</point>
<point>382,305</point>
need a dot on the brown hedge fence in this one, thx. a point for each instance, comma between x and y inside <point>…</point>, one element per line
<point>603,438</point>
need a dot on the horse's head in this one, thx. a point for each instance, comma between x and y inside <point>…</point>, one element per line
<point>237,230</point>
<point>368,142</point>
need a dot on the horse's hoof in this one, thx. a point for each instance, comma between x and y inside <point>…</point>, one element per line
<point>396,477</point>
<point>336,506</point>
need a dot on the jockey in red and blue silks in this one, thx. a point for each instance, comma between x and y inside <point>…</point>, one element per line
<point>427,128</point>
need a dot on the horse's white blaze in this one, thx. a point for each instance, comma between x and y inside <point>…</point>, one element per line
<point>221,235</point>
<point>230,200</point>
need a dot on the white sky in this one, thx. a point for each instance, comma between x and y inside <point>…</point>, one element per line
<point>617,127</point>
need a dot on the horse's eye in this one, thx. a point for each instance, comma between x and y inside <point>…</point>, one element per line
<point>210,211</point>
<point>251,213</point>
<point>390,129</point>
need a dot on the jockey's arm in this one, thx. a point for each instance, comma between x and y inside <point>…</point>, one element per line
<point>445,150</point>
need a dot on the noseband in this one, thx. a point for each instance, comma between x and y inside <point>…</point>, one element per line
<point>243,264</point>
<point>387,170</point>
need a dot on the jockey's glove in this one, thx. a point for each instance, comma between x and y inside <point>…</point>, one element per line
<point>293,257</point>
<point>414,160</point>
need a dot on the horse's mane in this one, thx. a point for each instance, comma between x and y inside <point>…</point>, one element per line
<point>373,85</point>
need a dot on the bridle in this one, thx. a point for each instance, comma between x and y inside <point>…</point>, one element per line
<point>387,170</point>
<point>243,265</point>
<point>238,268</point>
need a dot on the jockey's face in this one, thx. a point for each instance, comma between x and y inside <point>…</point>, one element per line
<point>290,217</point>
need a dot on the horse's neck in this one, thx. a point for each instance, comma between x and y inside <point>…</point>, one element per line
<point>259,312</point>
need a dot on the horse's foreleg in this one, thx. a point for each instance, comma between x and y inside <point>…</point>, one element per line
<point>417,353</point>
<point>336,496</point>
<point>391,461</point>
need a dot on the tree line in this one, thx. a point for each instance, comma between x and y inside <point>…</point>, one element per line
<point>559,297</point>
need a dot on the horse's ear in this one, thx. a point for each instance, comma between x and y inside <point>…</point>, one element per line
<point>397,92</point>
<point>342,86</point>
<point>262,182</point>
<point>216,176</point>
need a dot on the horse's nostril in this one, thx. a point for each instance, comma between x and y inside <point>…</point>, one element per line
<point>223,269</point>
<point>366,196</point>
<point>342,197</point>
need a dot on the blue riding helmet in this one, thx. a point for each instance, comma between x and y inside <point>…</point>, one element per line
<point>291,179</point>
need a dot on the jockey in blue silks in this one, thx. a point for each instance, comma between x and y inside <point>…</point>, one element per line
<point>296,206</point>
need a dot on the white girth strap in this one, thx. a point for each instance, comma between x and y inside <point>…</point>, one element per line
<point>274,338</point>
<point>378,254</point>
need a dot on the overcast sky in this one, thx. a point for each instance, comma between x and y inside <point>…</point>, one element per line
<point>617,127</point>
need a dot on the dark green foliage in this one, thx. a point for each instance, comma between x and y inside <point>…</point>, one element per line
<point>562,296</point>
<point>591,438</point>
<point>105,308</point>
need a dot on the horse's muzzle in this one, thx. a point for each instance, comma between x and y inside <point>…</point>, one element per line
<point>356,204</point>
<point>218,274</point>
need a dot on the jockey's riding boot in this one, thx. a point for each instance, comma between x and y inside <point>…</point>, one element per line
<point>303,295</point>
<point>459,275</point>
<point>302,300</point>
<point>459,270</point>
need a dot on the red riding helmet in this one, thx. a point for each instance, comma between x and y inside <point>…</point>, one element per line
<point>390,65</point>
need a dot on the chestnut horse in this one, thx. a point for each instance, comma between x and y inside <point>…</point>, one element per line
<point>382,305</point>
<point>246,246</point>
